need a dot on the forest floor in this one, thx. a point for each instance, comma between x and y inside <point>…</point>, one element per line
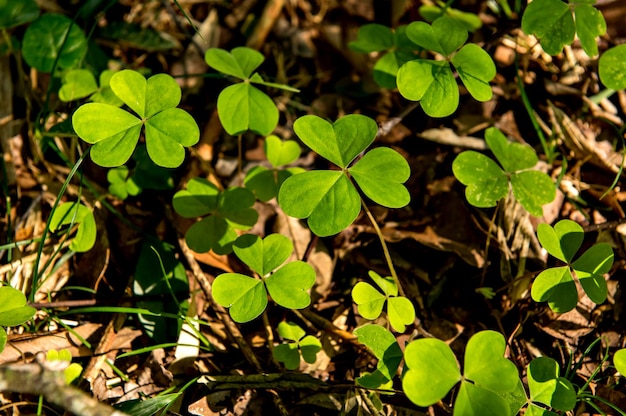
<point>465,269</point>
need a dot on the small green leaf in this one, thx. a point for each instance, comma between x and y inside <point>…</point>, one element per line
<point>384,346</point>
<point>200,198</point>
<point>555,286</point>
<point>72,372</point>
<point>265,182</point>
<point>619,361</point>
<point>263,255</point>
<point>369,301</point>
<point>15,13</point>
<point>244,107</point>
<point>589,25</point>
<point>432,371</point>
<point>612,67</point>
<point>3,339</point>
<point>211,233</point>
<point>290,331</point>
<point>401,313</point>
<point>475,68</point>
<point>287,354</point>
<point>590,268</point>
<point>372,37</point>
<point>562,241</point>
<point>239,63</point>
<point>430,82</point>
<point>547,387</point>
<point>70,213</point>
<point>473,400</point>
<point>246,297</point>
<point>386,284</point>
<point>552,22</point>
<point>386,69</point>
<point>512,156</point>
<point>533,189</point>
<point>309,347</point>
<point>486,182</point>
<point>381,174</point>
<point>77,83</point>
<point>280,153</point>
<point>485,364</point>
<point>13,309</point>
<point>339,142</point>
<point>444,36</point>
<point>53,38</point>
<point>235,205</point>
<point>288,285</point>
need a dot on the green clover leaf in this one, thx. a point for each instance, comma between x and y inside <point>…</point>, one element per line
<point>487,182</point>
<point>328,198</point>
<point>370,302</point>
<point>612,68</point>
<point>53,38</point>
<point>433,371</point>
<point>280,153</point>
<point>70,213</point>
<point>546,387</point>
<point>120,184</point>
<point>223,212</point>
<point>556,23</point>
<point>430,13</point>
<point>289,353</point>
<point>432,82</point>
<point>115,132</point>
<point>287,285</point>
<point>80,83</point>
<point>619,360</point>
<point>13,311</point>
<point>16,13</point>
<point>556,285</point>
<point>386,349</point>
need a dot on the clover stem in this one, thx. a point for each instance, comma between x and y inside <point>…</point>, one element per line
<point>392,269</point>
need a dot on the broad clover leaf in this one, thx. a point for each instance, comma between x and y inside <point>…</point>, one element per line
<point>265,182</point>
<point>370,302</point>
<point>555,23</point>
<point>556,285</point>
<point>328,198</point>
<point>433,371</point>
<point>487,182</point>
<point>80,83</point>
<point>547,388</point>
<point>287,285</point>
<point>386,349</point>
<point>70,213</point>
<point>223,212</point>
<point>612,68</point>
<point>398,49</point>
<point>13,311</point>
<point>114,132</point>
<point>242,106</point>
<point>432,82</point>
<point>289,353</point>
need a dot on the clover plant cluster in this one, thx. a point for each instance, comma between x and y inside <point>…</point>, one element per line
<point>134,127</point>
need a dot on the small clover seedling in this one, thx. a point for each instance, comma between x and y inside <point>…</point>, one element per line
<point>80,83</point>
<point>120,184</point>
<point>114,132</point>
<point>72,371</point>
<point>370,302</point>
<point>289,353</point>
<point>223,212</point>
<point>70,213</point>
<point>547,388</point>
<point>386,349</point>
<point>247,296</point>
<point>145,175</point>
<point>432,82</point>
<point>487,182</point>
<point>612,68</point>
<point>328,198</point>
<point>433,371</point>
<point>53,39</point>
<point>13,311</point>
<point>242,106</point>
<point>265,182</point>
<point>15,13</point>
<point>396,45</point>
<point>556,23</point>
<point>556,285</point>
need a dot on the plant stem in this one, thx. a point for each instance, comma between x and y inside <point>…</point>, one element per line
<point>392,269</point>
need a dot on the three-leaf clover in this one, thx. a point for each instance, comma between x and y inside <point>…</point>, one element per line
<point>556,285</point>
<point>398,49</point>
<point>13,311</point>
<point>370,301</point>
<point>612,68</point>
<point>70,213</point>
<point>328,198</point>
<point>265,182</point>
<point>223,212</point>
<point>555,23</point>
<point>432,82</point>
<point>114,132</point>
<point>547,388</point>
<point>385,348</point>
<point>80,83</point>
<point>487,182</point>
<point>242,106</point>
<point>287,285</point>
<point>289,353</point>
<point>433,371</point>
